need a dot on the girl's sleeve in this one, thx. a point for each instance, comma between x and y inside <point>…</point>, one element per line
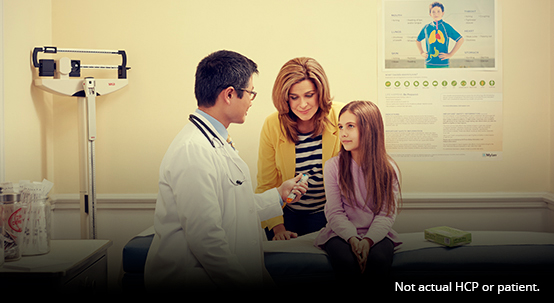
<point>382,223</point>
<point>335,213</point>
<point>380,227</point>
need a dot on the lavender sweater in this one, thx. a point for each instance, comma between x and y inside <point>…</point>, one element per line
<point>346,221</point>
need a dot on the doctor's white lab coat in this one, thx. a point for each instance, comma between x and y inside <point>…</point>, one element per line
<point>207,230</point>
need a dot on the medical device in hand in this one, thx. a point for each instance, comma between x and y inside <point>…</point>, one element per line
<point>292,195</point>
<point>62,76</point>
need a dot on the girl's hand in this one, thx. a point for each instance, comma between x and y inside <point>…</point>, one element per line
<point>361,250</point>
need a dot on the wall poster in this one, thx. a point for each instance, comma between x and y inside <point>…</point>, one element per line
<point>440,79</point>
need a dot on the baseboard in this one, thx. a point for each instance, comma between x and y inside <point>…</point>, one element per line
<point>499,200</point>
<point>529,200</point>
<point>106,201</point>
<point>549,199</point>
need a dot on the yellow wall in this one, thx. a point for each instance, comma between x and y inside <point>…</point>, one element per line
<point>27,110</point>
<point>551,99</point>
<point>166,39</point>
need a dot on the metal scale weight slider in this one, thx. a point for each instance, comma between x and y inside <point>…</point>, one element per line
<point>55,76</point>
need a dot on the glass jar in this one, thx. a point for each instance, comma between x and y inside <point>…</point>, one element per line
<point>36,227</point>
<point>12,219</point>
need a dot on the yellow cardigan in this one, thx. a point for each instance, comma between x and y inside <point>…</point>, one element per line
<point>277,155</point>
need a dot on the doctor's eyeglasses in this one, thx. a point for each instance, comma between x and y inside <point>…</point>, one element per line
<point>251,92</point>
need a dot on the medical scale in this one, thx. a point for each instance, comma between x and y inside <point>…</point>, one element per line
<point>62,76</point>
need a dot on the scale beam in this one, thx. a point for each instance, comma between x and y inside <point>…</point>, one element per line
<point>47,67</point>
<point>86,90</point>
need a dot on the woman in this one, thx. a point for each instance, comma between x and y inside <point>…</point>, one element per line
<point>298,138</point>
<point>362,188</point>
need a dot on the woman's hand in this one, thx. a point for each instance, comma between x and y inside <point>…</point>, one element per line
<point>281,233</point>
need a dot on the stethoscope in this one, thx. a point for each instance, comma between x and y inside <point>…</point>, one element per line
<point>203,127</point>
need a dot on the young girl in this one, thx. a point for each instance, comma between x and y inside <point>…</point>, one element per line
<point>362,189</point>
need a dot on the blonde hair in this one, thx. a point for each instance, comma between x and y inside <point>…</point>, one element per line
<point>380,176</point>
<point>295,71</point>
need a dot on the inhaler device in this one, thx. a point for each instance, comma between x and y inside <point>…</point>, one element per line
<point>291,196</point>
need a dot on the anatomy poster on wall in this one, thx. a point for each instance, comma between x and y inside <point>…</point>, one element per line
<point>440,79</point>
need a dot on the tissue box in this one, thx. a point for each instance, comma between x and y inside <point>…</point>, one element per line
<point>447,236</point>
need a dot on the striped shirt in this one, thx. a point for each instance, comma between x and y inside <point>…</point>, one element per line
<point>309,155</point>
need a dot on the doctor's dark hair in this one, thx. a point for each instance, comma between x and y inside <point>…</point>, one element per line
<point>220,70</point>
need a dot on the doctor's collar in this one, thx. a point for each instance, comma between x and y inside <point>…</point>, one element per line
<point>213,121</point>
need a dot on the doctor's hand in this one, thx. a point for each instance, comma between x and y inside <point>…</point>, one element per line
<point>290,186</point>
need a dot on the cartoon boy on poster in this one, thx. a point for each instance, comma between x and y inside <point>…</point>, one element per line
<point>437,35</point>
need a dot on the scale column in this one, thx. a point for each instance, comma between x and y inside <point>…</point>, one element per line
<point>87,177</point>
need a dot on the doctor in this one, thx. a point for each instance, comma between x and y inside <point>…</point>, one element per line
<point>207,217</point>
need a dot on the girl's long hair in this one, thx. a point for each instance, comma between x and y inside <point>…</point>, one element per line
<point>380,175</point>
<point>294,71</point>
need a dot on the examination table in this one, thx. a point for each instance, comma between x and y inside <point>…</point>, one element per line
<point>497,256</point>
